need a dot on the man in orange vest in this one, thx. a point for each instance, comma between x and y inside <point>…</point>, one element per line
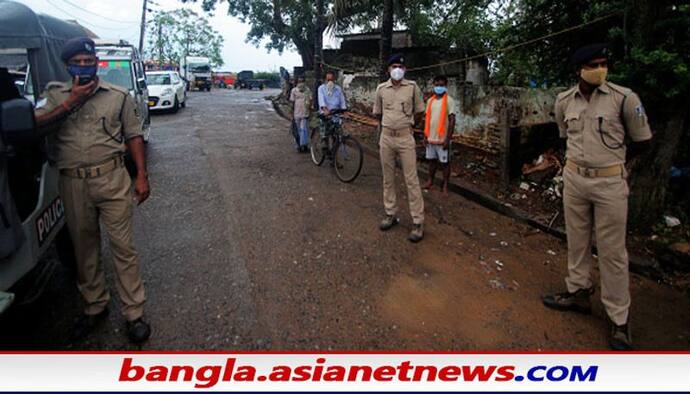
<point>438,131</point>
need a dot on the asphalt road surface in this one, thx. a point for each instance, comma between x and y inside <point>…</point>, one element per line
<point>245,244</point>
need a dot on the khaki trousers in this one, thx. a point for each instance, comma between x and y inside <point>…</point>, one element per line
<point>107,198</point>
<point>602,204</point>
<point>400,143</point>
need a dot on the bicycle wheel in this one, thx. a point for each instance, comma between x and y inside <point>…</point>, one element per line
<point>316,147</point>
<point>348,159</point>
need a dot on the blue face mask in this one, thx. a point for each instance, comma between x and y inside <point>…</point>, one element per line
<point>440,90</point>
<point>85,73</point>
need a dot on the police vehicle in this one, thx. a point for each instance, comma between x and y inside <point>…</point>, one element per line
<point>31,211</point>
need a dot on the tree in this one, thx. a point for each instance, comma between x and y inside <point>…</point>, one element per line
<point>650,53</point>
<point>361,13</point>
<point>283,23</point>
<point>182,32</point>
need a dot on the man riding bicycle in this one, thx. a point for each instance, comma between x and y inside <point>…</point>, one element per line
<point>331,97</point>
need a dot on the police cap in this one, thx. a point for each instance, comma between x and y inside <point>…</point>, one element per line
<point>587,53</point>
<point>398,58</point>
<point>77,46</point>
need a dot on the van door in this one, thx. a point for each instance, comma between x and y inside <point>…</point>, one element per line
<point>143,93</point>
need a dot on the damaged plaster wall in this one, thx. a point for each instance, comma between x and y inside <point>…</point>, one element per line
<point>479,106</point>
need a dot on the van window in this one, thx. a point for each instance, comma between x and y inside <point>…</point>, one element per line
<point>116,72</point>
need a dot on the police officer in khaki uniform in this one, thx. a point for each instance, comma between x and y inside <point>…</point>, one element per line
<point>398,102</point>
<point>597,117</point>
<point>94,123</point>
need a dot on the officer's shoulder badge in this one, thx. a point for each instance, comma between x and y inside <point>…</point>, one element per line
<point>639,110</point>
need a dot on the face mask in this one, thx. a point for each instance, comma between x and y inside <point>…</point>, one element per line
<point>440,90</point>
<point>330,84</point>
<point>397,73</point>
<point>595,76</point>
<point>85,73</point>
<point>300,86</point>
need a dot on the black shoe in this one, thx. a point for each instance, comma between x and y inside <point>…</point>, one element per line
<point>85,324</point>
<point>576,302</point>
<point>417,233</point>
<point>620,338</point>
<point>388,222</point>
<point>138,330</point>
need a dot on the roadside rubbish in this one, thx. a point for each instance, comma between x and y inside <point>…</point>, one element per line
<point>524,186</point>
<point>671,221</point>
<point>546,166</point>
<point>551,252</point>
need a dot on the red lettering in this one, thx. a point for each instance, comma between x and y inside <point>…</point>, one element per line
<point>384,374</point>
<point>366,373</point>
<point>505,373</point>
<point>449,374</point>
<point>229,368</point>
<point>128,368</point>
<point>302,373</point>
<point>480,373</point>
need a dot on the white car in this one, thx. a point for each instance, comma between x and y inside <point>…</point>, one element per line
<point>166,90</point>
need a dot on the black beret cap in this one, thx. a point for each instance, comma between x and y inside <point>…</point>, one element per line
<point>587,53</point>
<point>398,58</point>
<point>77,46</point>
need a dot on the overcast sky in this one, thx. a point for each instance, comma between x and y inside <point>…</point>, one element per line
<point>237,54</point>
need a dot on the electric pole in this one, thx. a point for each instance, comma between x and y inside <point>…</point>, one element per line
<point>143,29</point>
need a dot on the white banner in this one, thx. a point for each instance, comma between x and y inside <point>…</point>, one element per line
<point>173,371</point>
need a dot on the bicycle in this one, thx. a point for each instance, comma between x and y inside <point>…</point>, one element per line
<point>343,150</point>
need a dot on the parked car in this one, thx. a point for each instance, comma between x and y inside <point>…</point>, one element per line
<point>119,63</point>
<point>166,90</point>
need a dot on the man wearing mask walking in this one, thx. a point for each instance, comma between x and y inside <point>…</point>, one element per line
<point>94,123</point>
<point>596,117</point>
<point>301,98</point>
<point>398,101</point>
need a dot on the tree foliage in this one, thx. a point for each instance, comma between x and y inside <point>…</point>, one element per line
<point>173,34</point>
<point>277,24</point>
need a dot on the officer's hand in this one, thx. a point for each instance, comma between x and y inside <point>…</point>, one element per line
<point>141,189</point>
<point>79,94</point>
<point>446,144</point>
<point>425,142</point>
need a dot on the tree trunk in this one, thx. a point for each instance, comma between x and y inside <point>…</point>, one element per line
<point>650,179</point>
<point>386,45</point>
<point>318,40</point>
<point>306,52</point>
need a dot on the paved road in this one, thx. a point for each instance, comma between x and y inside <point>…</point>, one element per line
<point>247,245</point>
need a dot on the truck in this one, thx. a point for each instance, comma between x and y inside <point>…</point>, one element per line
<point>196,71</point>
<point>245,80</point>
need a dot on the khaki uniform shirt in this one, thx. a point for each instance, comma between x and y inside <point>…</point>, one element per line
<point>398,104</point>
<point>595,129</point>
<point>95,132</point>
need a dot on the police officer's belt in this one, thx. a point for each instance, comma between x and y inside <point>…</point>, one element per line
<point>94,171</point>
<point>396,132</point>
<point>595,172</point>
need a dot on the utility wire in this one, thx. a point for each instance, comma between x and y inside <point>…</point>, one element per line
<point>82,20</point>
<point>98,15</point>
<point>496,51</point>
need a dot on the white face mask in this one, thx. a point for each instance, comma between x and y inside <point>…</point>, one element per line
<point>397,73</point>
